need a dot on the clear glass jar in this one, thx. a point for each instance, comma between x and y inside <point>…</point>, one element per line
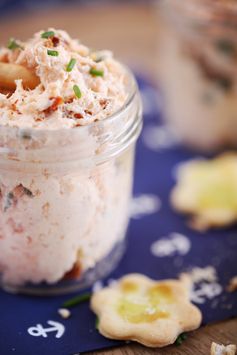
<point>64,201</point>
<point>198,72</point>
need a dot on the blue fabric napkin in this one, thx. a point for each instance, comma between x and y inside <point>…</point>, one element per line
<point>160,245</point>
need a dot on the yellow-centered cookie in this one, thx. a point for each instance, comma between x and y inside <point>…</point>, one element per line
<point>150,312</point>
<point>207,189</point>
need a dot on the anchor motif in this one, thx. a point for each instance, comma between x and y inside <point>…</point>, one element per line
<point>39,331</point>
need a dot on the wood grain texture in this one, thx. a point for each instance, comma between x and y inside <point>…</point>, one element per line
<point>131,32</point>
<point>197,343</point>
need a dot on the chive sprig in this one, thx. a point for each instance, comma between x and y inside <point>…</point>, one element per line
<point>52,53</point>
<point>77,91</point>
<point>48,34</point>
<point>96,72</point>
<point>12,44</point>
<point>77,300</point>
<point>71,65</point>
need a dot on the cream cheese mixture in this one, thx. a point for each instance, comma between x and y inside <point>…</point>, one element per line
<point>60,212</point>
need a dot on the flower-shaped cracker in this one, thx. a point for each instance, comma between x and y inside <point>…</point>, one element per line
<point>207,189</point>
<point>149,312</point>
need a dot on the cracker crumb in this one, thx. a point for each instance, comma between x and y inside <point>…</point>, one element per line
<point>232,286</point>
<point>64,313</point>
<point>217,349</point>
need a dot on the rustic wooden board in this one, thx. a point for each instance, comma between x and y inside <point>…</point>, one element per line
<point>197,343</point>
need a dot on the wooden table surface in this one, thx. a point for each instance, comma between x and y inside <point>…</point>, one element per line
<point>131,32</point>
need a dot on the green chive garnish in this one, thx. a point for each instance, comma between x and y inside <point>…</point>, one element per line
<point>12,44</point>
<point>178,341</point>
<point>77,91</point>
<point>181,339</point>
<point>71,64</point>
<point>95,72</point>
<point>77,300</point>
<point>48,34</point>
<point>52,53</point>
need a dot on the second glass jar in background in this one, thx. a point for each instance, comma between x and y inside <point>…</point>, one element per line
<point>197,71</point>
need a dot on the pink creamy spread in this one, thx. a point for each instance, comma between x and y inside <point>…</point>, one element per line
<point>77,85</point>
<point>61,213</point>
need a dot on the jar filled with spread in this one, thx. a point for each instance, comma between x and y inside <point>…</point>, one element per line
<point>68,129</point>
<point>198,72</point>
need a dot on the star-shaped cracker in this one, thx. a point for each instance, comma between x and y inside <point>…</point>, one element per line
<point>150,312</point>
<point>207,189</point>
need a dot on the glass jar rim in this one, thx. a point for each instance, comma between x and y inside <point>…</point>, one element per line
<point>94,143</point>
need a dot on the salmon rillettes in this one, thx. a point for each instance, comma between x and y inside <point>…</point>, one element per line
<point>66,161</point>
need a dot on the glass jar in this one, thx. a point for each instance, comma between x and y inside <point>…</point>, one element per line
<point>64,201</point>
<point>198,72</point>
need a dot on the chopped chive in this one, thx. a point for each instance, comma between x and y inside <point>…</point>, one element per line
<point>181,339</point>
<point>184,336</point>
<point>178,341</point>
<point>12,44</point>
<point>71,65</point>
<point>77,91</point>
<point>47,34</point>
<point>77,300</point>
<point>95,72</point>
<point>52,53</point>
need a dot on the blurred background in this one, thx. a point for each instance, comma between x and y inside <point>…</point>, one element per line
<point>126,27</point>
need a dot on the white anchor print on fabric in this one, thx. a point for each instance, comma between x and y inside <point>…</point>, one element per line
<point>40,331</point>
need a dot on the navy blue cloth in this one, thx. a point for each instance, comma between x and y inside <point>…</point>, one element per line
<point>154,176</point>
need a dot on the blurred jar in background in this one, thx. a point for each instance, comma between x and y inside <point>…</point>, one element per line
<point>198,71</point>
